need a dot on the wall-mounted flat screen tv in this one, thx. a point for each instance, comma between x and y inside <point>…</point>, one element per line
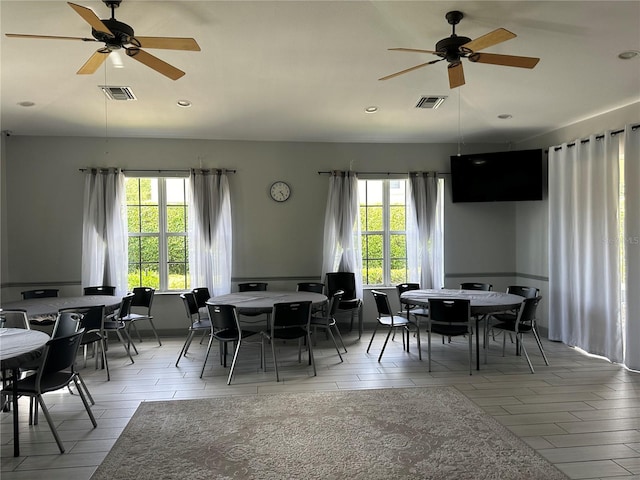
<point>498,176</point>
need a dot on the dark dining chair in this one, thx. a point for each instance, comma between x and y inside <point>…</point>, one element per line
<point>290,321</point>
<point>450,318</point>
<point>252,286</point>
<point>142,301</point>
<point>328,322</point>
<point>486,287</point>
<point>100,290</point>
<point>57,371</point>
<point>41,293</point>
<point>386,318</point>
<point>197,322</point>
<point>346,281</point>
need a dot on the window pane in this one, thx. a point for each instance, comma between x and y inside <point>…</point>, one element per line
<point>398,246</point>
<point>373,272</point>
<point>150,275</point>
<point>148,191</point>
<point>375,221</point>
<point>375,246</point>
<point>149,219</point>
<point>178,276</point>
<point>133,219</point>
<point>397,218</point>
<point>176,219</point>
<point>134,249</point>
<point>176,194</point>
<point>149,249</point>
<point>177,249</point>
<point>398,271</point>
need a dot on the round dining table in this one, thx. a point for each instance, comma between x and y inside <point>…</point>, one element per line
<point>258,302</point>
<point>17,347</point>
<point>43,311</point>
<point>481,303</point>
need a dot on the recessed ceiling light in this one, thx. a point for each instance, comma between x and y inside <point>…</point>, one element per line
<point>26,103</point>
<point>505,116</point>
<point>184,103</point>
<point>628,55</point>
<point>372,109</point>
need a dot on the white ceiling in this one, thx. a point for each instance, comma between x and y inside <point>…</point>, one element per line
<point>306,70</point>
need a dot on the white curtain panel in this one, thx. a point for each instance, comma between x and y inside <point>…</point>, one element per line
<point>632,246</point>
<point>342,250</point>
<point>104,233</point>
<point>424,247</point>
<point>210,231</point>
<point>584,268</point>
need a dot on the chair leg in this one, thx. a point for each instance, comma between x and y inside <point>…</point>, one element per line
<point>275,361</point>
<point>233,362</point>
<point>537,337</point>
<point>105,363</point>
<point>334,342</point>
<point>429,346</point>
<point>124,344</point>
<point>86,404</point>
<point>340,337</point>
<point>471,353</point>
<point>84,386</point>
<point>52,427</point>
<point>311,359</point>
<point>153,328</point>
<point>206,357</point>
<point>385,343</point>
<point>524,350</point>
<point>372,335</point>
<point>187,342</point>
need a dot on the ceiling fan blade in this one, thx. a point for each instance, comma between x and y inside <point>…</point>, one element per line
<point>94,62</point>
<point>170,43</point>
<point>456,74</point>
<point>488,40</point>
<point>49,37</point>
<point>505,60</point>
<point>412,50</point>
<point>91,18</point>
<point>158,65</point>
<point>410,69</point>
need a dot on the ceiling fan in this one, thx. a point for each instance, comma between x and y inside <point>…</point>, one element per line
<point>454,48</point>
<point>117,35</point>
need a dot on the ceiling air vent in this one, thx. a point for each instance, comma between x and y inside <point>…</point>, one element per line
<point>118,93</point>
<point>430,101</point>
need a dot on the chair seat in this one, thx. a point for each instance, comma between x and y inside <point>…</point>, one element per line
<point>423,312</point>
<point>290,333</point>
<point>511,327</point>
<point>394,320</point>
<point>113,325</point>
<point>322,322</point>
<point>505,317</point>
<point>51,382</point>
<point>449,330</point>
<point>203,324</point>
<point>90,337</point>
<point>349,304</point>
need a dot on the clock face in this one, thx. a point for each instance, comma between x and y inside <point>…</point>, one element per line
<point>280,191</point>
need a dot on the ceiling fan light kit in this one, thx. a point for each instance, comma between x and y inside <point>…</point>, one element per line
<point>117,35</point>
<point>454,48</point>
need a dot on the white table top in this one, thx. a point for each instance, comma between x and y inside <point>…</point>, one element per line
<point>481,302</point>
<point>39,309</point>
<point>263,301</point>
<point>18,345</point>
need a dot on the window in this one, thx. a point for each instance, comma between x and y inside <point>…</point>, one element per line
<point>383,229</point>
<point>157,233</point>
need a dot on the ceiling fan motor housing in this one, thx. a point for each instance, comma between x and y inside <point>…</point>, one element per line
<point>449,48</point>
<point>122,32</point>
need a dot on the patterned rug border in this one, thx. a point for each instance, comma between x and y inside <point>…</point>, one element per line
<point>195,454</point>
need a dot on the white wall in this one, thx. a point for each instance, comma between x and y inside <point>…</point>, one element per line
<point>278,243</point>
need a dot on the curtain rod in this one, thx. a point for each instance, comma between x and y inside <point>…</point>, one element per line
<point>599,137</point>
<point>161,171</point>
<point>383,173</point>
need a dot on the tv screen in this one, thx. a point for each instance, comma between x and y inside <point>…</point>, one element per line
<point>497,177</point>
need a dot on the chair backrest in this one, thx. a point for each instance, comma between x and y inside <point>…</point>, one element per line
<point>14,319</point>
<point>527,312</point>
<point>252,287</point>
<point>290,314</point>
<point>202,295</point>
<point>42,293</point>
<point>125,306</point>
<point>91,318</point>
<point>67,323</point>
<point>143,297</point>
<point>476,286</point>
<point>223,317</point>
<point>335,302</point>
<point>382,303</point>
<point>100,290</point>
<point>190,307</point>
<point>59,354</point>
<point>345,281</point>
<point>447,310</point>
<point>526,292</point>
<point>315,287</point>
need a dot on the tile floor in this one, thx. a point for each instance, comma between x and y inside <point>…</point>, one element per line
<point>581,413</point>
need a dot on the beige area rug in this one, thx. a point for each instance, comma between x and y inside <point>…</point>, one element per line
<point>408,433</point>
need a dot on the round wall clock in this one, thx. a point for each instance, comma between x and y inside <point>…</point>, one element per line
<point>280,191</point>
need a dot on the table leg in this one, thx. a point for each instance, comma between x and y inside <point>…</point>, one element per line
<point>16,439</point>
<point>477,342</point>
